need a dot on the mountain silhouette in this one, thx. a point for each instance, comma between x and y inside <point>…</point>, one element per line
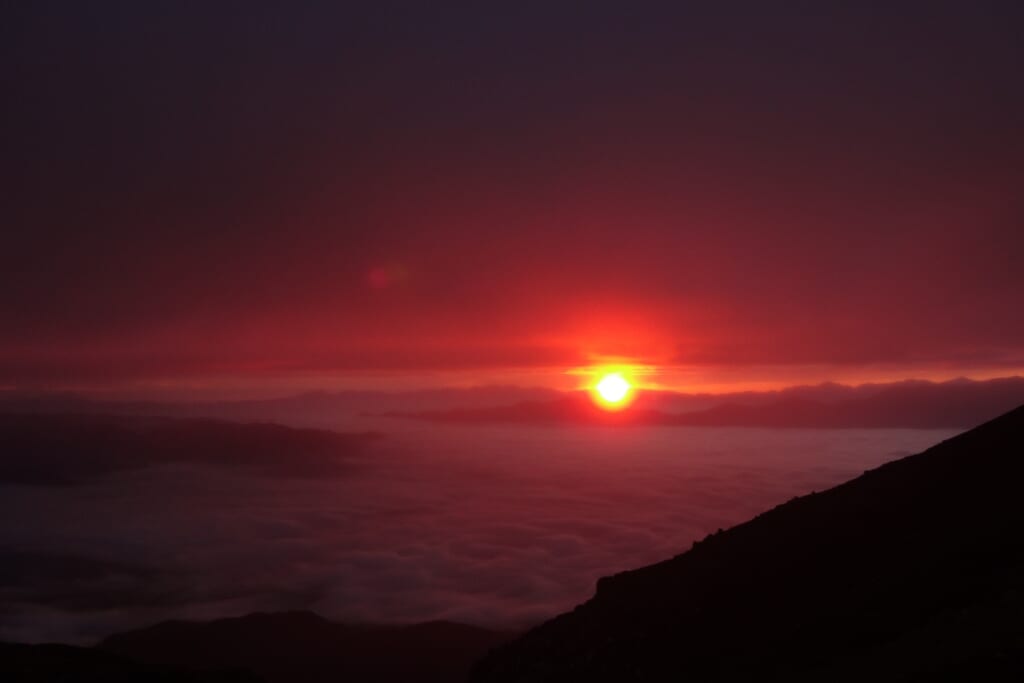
<point>51,663</point>
<point>302,647</point>
<point>957,404</point>
<point>913,571</point>
<point>66,449</point>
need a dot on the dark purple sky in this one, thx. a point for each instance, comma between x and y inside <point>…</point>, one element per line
<point>775,189</point>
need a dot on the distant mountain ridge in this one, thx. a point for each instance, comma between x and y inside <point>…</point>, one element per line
<point>302,647</point>
<point>912,572</point>
<point>314,408</point>
<point>913,404</point>
<point>61,449</point>
<point>51,663</point>
<point>958,403</point>
<point>281,647</point>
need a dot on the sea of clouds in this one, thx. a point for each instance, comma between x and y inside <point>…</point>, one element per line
<point>495,526</point>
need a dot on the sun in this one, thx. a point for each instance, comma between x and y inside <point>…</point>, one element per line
<point>613,389</point>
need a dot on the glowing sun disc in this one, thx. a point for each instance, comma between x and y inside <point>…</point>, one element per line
<point>613,388</point>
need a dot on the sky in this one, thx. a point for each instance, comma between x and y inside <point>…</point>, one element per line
<point>734,193</point>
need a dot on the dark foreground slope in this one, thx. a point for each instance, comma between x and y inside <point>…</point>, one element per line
<point>301,647</point>
<point>912,572</point>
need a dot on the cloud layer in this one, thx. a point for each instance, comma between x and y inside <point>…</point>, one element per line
<point>486,525</point>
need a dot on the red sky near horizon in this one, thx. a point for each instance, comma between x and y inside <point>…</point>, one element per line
<point>469,195</point>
